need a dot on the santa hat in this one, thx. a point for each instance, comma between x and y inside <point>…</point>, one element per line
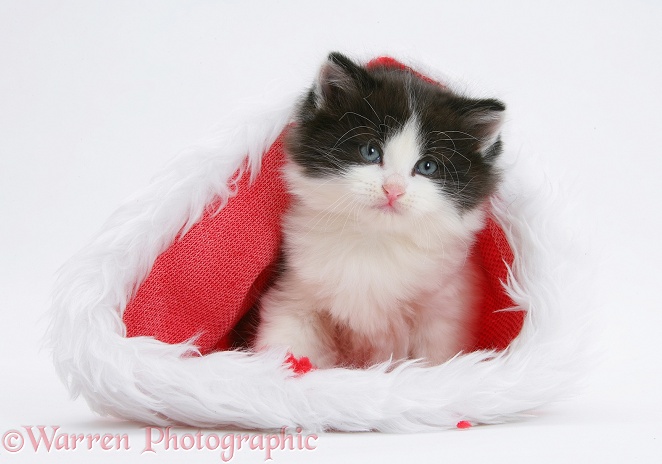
<point>146,315</point>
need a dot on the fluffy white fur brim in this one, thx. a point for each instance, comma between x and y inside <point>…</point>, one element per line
<point>156,383</point>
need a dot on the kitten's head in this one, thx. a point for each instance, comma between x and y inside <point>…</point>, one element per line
<point>384,146</point>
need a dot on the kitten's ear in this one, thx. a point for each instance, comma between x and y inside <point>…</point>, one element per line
<point>338,77</point>
<point>484,119</point>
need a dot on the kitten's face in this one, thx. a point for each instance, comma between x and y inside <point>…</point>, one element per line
<point>385,147</point>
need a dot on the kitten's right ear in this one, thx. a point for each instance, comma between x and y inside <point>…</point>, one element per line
<point>338,77</point>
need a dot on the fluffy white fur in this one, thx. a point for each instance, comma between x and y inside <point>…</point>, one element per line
<point>152,382</point>
<point>376,268</point>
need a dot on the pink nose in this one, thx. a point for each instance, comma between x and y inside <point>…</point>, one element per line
<point>393,191</point>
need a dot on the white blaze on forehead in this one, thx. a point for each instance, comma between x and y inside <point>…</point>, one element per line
<point>403,150</point>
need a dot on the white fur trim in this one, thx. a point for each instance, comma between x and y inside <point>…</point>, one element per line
<point>152,382</point>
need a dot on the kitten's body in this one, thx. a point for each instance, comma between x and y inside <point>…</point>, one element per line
<point>376,246</point>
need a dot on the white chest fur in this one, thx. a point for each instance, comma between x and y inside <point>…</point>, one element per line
<point>370,280</point>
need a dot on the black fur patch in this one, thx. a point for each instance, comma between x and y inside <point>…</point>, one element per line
<point>351,106</point>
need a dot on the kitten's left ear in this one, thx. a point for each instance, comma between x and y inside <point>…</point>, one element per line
<point>484,119</point>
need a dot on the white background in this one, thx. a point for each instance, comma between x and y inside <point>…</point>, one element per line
<point>95,97</point>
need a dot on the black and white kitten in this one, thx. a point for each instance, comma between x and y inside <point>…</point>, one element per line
<point>389,175</point>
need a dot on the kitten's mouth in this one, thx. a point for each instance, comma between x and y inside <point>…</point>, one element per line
<point>389,208</point>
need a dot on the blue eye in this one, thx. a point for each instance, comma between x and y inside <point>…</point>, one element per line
<point>427,167</point>
<point>371,153</point>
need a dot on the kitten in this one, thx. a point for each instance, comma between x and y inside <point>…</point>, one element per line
<point>389,175</point>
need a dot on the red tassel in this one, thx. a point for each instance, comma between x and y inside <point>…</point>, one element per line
<point>300,365</point>
<point>463,425</point>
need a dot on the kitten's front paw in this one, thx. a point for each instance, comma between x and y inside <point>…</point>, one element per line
<point>299,341</point>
